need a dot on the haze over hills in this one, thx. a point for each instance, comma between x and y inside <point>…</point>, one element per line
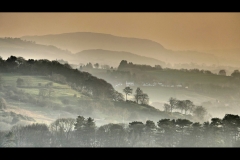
<point>79,41</point>
<point>28,49</point>
<point>113,58</point>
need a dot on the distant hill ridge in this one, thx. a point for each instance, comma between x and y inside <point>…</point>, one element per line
<point>29,49</point>
<point>113,58</point>
<point>79,41</point>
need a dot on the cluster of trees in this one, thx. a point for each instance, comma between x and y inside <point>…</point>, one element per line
<point>236,74</point>
<point>139,96</point>
<point>185,105</point>
<point>96,66</point>
<point>84,81</point>
<point>124,64</point>
<point>222,72</point>
<point>195,70</point>
<point>83,132</point>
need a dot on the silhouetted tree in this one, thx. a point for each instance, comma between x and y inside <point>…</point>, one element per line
<point>231,125</point>
<point>183,123</point>
<point>150,130</point>
<point>96,65</point>
<point>89,65</point>
<point>187,105</point>
<point>222,72</point>
<point>180,105</point>
<point>144,99</point>
<point>173,103</point>
<point>236,74</point>
<point>138,94</point>
<point>136,131</point>
<point>122,64</point>
<point>166,136</point>
<point>127,91</point>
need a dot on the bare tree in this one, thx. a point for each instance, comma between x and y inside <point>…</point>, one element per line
<point>61,129</point>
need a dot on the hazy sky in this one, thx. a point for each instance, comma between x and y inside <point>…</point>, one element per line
<point>174,30</point>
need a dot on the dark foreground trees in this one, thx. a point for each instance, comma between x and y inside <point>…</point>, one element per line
<point>83,132</point>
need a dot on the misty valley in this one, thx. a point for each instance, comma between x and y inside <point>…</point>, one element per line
<point>99,90</point>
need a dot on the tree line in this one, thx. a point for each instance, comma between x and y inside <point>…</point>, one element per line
<point>83,132</point>
<point>129,65</point>
<point>139,96</point>
<point>185,105</point>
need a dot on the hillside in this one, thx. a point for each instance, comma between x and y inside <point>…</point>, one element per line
<point>216,92</point>
<point>79,41</point>
<point>49,90</point>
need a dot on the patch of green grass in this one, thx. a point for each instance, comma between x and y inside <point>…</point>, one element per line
<point>60,90</point>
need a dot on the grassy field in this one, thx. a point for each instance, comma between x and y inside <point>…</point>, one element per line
<point>49,114</point>
<point>40,114</point>
<point>60,90</point>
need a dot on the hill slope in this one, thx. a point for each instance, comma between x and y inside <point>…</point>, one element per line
<point>91,96</point>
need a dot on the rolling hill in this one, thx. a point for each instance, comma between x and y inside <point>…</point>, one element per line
<point>50,90</point>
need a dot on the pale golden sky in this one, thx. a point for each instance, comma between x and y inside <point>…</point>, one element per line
<point>174,30</point>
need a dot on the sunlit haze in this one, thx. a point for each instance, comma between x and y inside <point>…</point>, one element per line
<point>111,79</point>
<point>176,30</point>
